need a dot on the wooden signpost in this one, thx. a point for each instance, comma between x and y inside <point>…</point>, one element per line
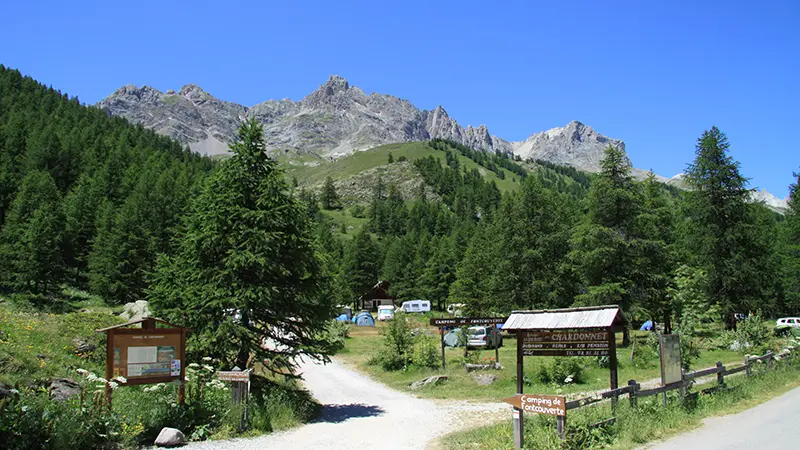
<point>240,386</point>
<point>146,355</point>
<point>588,331</point>
<point>466,321</point>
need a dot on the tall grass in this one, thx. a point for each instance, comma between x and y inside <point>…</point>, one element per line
<point>648,422</point>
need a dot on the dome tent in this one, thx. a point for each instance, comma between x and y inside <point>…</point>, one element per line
<point>452,338</point>
<point>364,319</point>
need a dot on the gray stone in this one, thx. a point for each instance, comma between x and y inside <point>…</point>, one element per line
<point>485,379</point>
<point>474,367</point>
<point>170,437</point>
<point>81,346</point>
<point>135,310</point>
<point>432,380</point>
<point>63,388</point>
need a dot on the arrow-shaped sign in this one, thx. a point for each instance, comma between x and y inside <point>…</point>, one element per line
<point>553,405</point>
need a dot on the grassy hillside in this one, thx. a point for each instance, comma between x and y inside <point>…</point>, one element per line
<point>311,171</point>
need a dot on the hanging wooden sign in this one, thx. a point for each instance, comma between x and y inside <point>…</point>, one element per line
<point>565,343</point>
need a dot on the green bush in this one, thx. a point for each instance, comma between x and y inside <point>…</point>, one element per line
<point>566,370</point>
<point>426,353</point>
<point>398,344</point>
<point>335,334</point>
<point>751,335</point>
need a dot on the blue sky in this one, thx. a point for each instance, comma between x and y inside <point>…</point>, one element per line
<point>655,74</point>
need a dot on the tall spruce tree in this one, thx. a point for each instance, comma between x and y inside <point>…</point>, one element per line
<point>329,197</point>
<point>362,263</point>
<point>603,246</point>
<point>31,241</point>
<point>246,276</point>
<point>790,254</point>
<point>721,230</point>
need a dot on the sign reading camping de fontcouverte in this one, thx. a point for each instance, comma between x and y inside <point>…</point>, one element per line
<point>462,321</point>
<point>565,343</point>
<point>554,405</point>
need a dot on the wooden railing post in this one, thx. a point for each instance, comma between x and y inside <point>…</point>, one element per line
<point>632,393</point>
<point>682,388</point>
<point>561,427</point>
<point>747,364</point>
<point>720,374</point>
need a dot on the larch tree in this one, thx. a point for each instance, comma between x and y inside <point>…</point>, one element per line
<point>245,275</point>
<point>329,197</point>
<point>721,229</point>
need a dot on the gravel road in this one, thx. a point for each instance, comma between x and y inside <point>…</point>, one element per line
<point>771,425</point>
<point>361,413</point>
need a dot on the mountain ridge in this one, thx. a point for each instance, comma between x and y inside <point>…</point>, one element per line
<point>337,119</point>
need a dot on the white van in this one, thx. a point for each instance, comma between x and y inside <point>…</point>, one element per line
<point>385,312</point>
<point>413,306</point>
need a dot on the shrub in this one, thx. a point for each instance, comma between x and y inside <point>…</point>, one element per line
<point>398,342</point>
<point>564,370</point>
<point>426,353</point>
<point>335,333</point>
<point>751,334</point>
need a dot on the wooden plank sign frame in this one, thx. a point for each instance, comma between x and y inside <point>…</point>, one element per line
<point>146,355</point>
<point>442,322</point>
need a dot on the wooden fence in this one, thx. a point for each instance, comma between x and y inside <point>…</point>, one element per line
<point>634,391</point>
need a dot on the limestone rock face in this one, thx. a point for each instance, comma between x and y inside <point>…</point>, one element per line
<point>575,145</point>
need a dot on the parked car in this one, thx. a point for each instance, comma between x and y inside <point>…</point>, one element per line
<point>793,322</point>
<point>486,337</point>
<point>385,312</point>
<point>413,306</point>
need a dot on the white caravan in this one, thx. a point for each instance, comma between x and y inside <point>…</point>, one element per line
<point>414,306</point>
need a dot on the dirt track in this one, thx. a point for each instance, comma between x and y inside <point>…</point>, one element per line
<point>361,413</point>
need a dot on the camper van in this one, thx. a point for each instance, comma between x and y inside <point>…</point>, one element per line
<point>414,306</point>
<point>385,312</point>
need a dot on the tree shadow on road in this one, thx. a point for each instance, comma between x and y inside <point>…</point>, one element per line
<point>341,413</point>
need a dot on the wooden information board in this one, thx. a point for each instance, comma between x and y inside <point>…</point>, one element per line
<point>670,346</point>
<point>146,356</point>
<point>464,321</point>
<point>565,343</point>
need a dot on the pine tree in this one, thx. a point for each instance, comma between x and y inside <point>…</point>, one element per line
<point>654,252</point>
<point>246,270</point>
<point>329,197</point>
<point>391,158</point>
<point>362,263</point>
<point>80,208</point>
<point>720,228</point>
<point>377,212</point>
<point>32,237</point>
<point>790,250</point>
<point>603,246</point>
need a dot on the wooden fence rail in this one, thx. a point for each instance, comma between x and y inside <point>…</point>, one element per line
<point>634,391</point>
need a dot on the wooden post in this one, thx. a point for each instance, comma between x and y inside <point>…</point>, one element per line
<point>632,393</point>
<point>109,365</point>
<point>182,386</point>
<point>720,375</point>
<point>682,388</point>
<point>441,333</point>
<point>561,427</point>
<point>747,364</point>
<point>770,359</point>
<point>519,420</point>
<point>612,366</point>
<point>497,346</point>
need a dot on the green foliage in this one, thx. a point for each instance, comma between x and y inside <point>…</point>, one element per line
<point>398,345</point>
<point>361,264</point>
<point>335,334</point>
<point>750,335</point>
<point>426,353</point>
<point>329,197</point>
<point>60,162</point>
<point>562,370</point>
<point>246,267</point>
<point>721,230</point>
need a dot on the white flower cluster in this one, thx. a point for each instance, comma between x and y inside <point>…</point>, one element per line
<point>216,384</point>
<point>155,387</point>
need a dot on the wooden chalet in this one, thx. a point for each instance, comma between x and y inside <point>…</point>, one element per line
<point>376,296</point>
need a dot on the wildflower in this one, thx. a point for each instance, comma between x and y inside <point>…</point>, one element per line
<point>121,379</point>
<point>208,368</point>
<point>568,379</point>
<point>82,371</point>
<point>206,358</point>
<point>113,385</point>
<point>193,366</point>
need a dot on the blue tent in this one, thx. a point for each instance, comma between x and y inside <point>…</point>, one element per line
<point>364,320</point>
<point>647,326</point>
<point>452,338</point>
<point>343,318</point>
